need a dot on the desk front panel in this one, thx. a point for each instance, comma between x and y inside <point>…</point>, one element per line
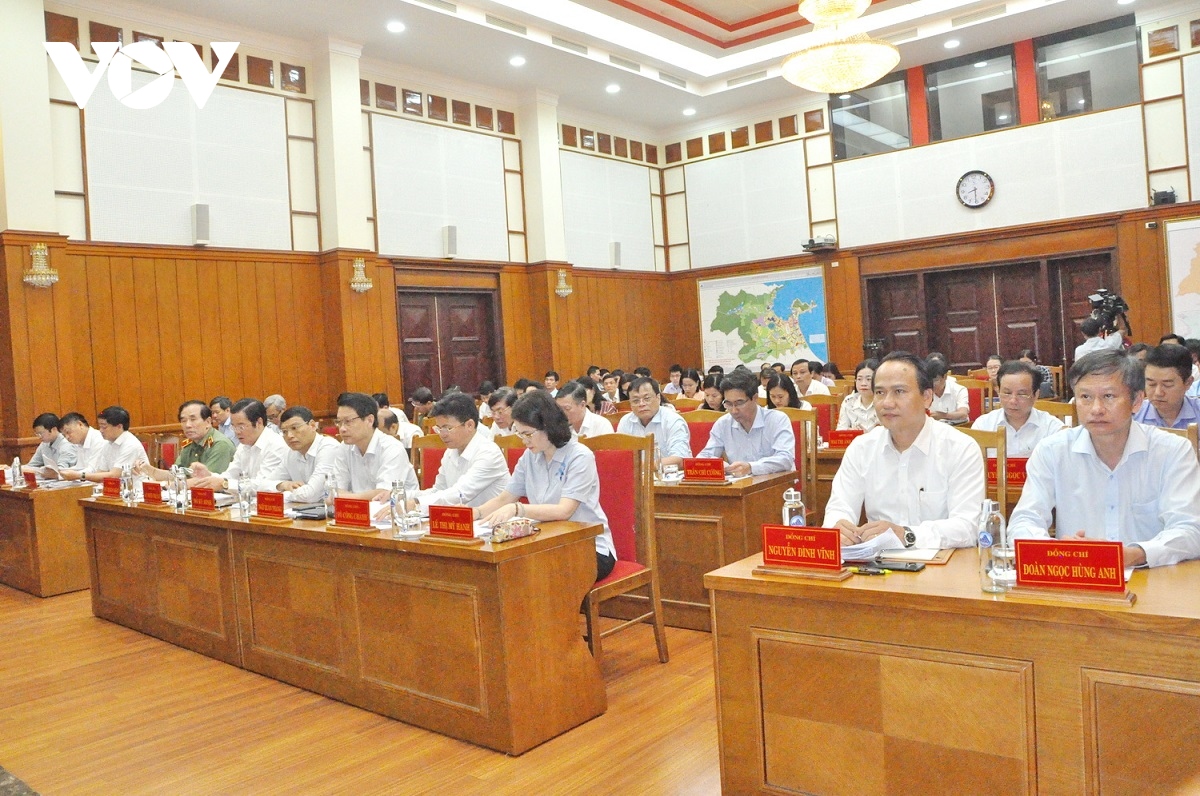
<point>42,546</point>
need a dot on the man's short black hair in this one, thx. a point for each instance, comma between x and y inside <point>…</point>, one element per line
<point>381,398</point>
<point>421,395</point>
<point>47,421</point>
<point>505,395</point>
<point>485,388</point>
<point>1015,367</point>
<point>205,412</point>
<point>1171,356</point>
<point>538,410</point>
<point>551,374</point>
<point>720,371</point>
<point>253,409</point>
<point>301,412</point>
<point>573,390</point>
<point>924,381</point>
<point>1090,327</point>
<point>642,371</point>
<point>221,402</point>
<point>1105,363</point>
<point>364,405</point>
<point>742,380</point>
<point>388,419</point>
<point>1178,338</point>
<point>593,369</point>
<point>797,362</point>
<point>676,368</point>
<point>642,381</point>
<point>75,417</point>
<point>521,385</point>
<point>457,405</point>
<point>115,416</point>
<point>936,369</point>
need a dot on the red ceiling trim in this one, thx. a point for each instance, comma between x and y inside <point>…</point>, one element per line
<point>731,26</point>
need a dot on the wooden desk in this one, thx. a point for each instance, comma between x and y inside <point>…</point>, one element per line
<point>42,548</point>
<point>701,528</point>
<point>921,683</point>
<point>478,643</point>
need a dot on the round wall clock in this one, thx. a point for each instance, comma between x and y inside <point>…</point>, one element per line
<point>975,188</point>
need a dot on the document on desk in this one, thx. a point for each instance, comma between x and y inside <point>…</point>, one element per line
<point>866,551</point>
<point>910,554</point>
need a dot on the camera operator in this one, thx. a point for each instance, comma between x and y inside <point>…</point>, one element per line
<point>1100,328</point>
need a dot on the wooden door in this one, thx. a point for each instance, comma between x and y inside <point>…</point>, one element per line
<point>962,308</point>
<point>1024,309</point>
<point>1077,278</point>
<point>447,339</point>
<point>896,313</point>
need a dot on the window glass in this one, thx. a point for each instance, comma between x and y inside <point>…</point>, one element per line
<point>971,94</point>
<point>1087,69</point>
<point>870,120</point>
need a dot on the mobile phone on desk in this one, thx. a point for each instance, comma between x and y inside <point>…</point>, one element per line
<point>901,566</point>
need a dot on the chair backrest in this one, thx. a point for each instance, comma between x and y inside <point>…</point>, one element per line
<point>615,418</point>
<point>704,415</point>
<point>980,374</point>
<point>979,397</point>
<point>330,431</point>
<point>827,408</point>
<point>682,404</point>
<point>513,448</point>
<point>1191,434</point>
<point>804,426</point>
<point>1056,378</point>
<point>625,464</point>
<point>1064,412</point>
<point>997,441</point>
<point>168,449</point>
<point>761,400</point>
<point>427,452</point>
<point>623,406</point>
<point>700,431</point>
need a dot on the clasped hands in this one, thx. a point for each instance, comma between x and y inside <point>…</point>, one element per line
<point>857,534</point>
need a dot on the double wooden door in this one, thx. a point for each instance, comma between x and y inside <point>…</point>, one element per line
<point>447,339</point>
<point>971,313</point>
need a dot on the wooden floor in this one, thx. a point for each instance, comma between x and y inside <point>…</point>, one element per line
<point>88,707</point>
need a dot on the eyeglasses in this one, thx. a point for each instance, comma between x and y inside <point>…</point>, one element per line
<point>735,404</point>
<point>641,401</point>
<point>342,422</point>
<point>447,429</point>
<point>1020,396</point>
<point>525,435</point>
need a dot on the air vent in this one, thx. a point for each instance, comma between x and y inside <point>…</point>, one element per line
<point>574,47</point>
<point>978,16</point>
<point>504,24</point>
<point>625,63</point>
<point>744,79</point>
<point>901,36</point>
<point>441,5</point>
<point>678,82</point>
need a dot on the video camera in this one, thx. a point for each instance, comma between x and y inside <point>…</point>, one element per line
<point>1107,307</point>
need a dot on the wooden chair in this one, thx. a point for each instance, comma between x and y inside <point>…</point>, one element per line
<point>700,415</point>
<point>827,408</point>
<point>994,441</point>
<point>979,374</point>
<point>1056,377</point>
<point>1064,412</point>
<point>427,453</point>
<point>805,426</point>
<point>513,447</point>
<point>682,404</point>
<point>615,418</point>
<point>700,423</point>
<point>626,467</point>
<point>979,397</point>
<point>761,400</point>
<point>1191,434</point>
<point>169,446</point>
<point>623,406</point>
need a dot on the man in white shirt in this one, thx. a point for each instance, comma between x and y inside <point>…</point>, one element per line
<point>1024,425</point>
<point>222,417</point>
<point>551,383</point>
<point>395,423</point>
<point>805,383</point>
<point>501,402</point>
<point>1097,338</point>
<point>87,441</point>
<point>672,387</point>
<point>122,448</point>
<point>54,450</point>
<point>572,399</point>
<point>473,468</point>
<point>275,405</point>
<point>950,401</point>
<point>259,458</point>
<point>915,476</point>
<point>1168,376</point>
<point>370,460</point>
<point>1111,478</point>
<point>672,436</point>
<point>612,388</point>
<point>751,439</point>
<point>311,460</point>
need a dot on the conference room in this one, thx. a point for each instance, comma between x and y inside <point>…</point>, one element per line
<point>303,200</point>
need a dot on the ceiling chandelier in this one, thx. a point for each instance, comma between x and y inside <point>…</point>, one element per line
<point>833,62</point>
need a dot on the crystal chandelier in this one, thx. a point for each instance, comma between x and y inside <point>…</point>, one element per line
<point>40,274</point>
<point>359,281</point>
<point>833,62</point>
<point>832,12</point>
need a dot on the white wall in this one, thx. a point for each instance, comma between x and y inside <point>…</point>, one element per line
<point>1191,93</point>
<point>607,201</point>
<point>1062,169</point>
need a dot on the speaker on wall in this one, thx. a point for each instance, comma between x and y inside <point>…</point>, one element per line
<point>614,254</point>
<point>450,242</point>
<point>200,230</point>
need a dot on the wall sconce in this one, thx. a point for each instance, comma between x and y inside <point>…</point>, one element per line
<point>562,289</point>
<point>40,274</point>
<point>359,281</point>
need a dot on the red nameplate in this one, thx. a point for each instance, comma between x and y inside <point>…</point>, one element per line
<point>1051,564</point>
<point>152,493</point>
<point>203,499</point>
<point>454,521</point>
<point>352,512</point>
<point>843,438</point>
<point>804,547</point>
<point>3,477</point>
<point>270,504</point>
<point>704,470</point>
<point>112,488</point>
<point>1016,471</point>
<point>31,480</point>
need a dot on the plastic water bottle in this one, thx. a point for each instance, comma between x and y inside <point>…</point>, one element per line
<point>995,565</point>
<point>127,483</point>
<point>399,508</point>
<point>180,487</point>
<point>658,465</point>
<point>793,507</point>
<point>15,475</point>
<point>331,495</point>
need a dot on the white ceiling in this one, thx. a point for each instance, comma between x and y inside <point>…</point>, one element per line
<point>463,47</point>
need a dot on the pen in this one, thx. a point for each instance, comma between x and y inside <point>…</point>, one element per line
<point>867,571</point>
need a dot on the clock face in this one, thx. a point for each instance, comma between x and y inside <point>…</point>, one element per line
<point>975,189</point>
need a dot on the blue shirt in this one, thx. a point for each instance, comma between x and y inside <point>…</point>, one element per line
<point>670,430</point>
<point>769,446</point>
<point>571,473</point>
<point>1188,413</point>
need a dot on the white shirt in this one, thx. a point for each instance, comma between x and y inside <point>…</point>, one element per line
<point>501,432</point>
<point>854,416</point>
<point>484,410</point>
<point>260,463</point>
<point>769,446</point>
<point>671,388</point>
<point>406,431</point>
<point>1020,442</point>
<point>87,455</point>
<point>593,425</point>
<point>672,436</point>
<point>384,462</point>
<point>952,399</point>
<point>125,449</point>
<point>1151,498</point>
<point>311,469</point>
<point>934,487</point>
<point>816,388</point>
<point>470,478</point>
<point>1113,341</point>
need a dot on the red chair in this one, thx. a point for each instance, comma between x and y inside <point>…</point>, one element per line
<point>169,451</point>
<point>700,423</point>
<point>513,447</point>
<point>626,467</point>
<point>826,407</point>
<point>974,403</point>
<point>427,452</point>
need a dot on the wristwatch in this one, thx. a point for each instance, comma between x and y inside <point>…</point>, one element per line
<point>910,538</point>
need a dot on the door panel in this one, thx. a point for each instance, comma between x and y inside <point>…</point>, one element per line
<point>1078,277</point>
<point>964,325</point>
<point>447,339</point>
<point>419,361</point>
<point>896,312</point>
<point>1023,309</point>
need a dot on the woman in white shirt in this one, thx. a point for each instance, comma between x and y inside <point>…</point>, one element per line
<point>858,410</point>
